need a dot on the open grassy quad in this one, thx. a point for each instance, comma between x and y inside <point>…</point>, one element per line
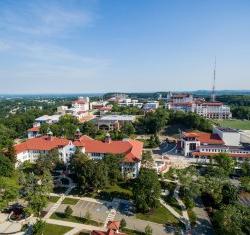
<point>235,123</point>
<point>116,190</point>
<point>74,219</point>
<point>55,229</point>
<point>70,201</point>
<point>159,215</point>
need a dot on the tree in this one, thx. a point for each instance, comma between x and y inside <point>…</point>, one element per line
<point>90,174</point>
<point>36,188</point>
<point>245,183</point>
<point>36,202</point>
<point>39,227</point>
<point>229,194</point>
<point>89,128</point>
<point>146,190</point>
<point>228,220</point>
<point>47,161</point>
<point>6,167</point>
<point>225,162</point>
<point>9,190</point>
<point>128,128</point>
<point>148,230</point>
<point>123,223</point>
<point>68,211</point>
<point>246,168</point>
<point>112,163</point>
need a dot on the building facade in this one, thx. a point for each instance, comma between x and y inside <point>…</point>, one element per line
<point>186,103</point>
<point>130,150</point>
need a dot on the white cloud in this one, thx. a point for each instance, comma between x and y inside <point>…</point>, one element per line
<point>43,18</point>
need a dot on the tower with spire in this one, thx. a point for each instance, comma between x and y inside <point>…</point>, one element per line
<point>213,89</point>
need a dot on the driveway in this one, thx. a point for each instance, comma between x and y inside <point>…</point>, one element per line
<point>139,225</point>
<point>204,225</point>
<point>98,211</point>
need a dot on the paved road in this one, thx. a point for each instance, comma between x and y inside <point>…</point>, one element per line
<point>203,226</point>
<point>139,225</point>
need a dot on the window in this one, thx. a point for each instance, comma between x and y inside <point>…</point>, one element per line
<point>192,146</point>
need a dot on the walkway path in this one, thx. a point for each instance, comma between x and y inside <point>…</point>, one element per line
<point>184,218</point>
<point>62,197</point>
<point>76,227</point>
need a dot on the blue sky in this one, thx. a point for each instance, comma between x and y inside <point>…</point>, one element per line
<point>69,46</point>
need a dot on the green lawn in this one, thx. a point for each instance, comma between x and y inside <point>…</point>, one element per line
<point>118,190</point>
<point>235,123</point>
<point>70,201</point>
<point>159,215</point>
<point>55,229</point>
<point>53,199</point>
<point>74,219</point>
<point>173,202</point>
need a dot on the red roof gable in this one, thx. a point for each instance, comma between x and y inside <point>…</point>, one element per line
<point>115,225</point>
<point>34,129</point>
<point>131,148</point>
<point>41,143</point>
<point>204,137</point>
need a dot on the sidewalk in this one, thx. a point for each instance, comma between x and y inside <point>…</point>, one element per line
<point>75,226</point>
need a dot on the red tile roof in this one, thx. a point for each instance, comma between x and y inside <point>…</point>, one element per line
<point>131,148</point>
<point>41,143</point>
<point>204,137</point>
<point>212,103</point>
<point>79,102</point>
<point>109,232</point>
<point>115,225</point>
<point>34,129</point>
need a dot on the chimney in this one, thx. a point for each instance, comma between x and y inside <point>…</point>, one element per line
<point>107,138</point>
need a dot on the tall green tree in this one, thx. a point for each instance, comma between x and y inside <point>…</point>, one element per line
<point>225,162</point>
<point>146,190</point>
<point>6,167</point>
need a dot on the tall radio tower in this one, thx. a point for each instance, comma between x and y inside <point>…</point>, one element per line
<point>213,89</point>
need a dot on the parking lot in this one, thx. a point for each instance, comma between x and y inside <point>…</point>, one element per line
<point>98,211</point>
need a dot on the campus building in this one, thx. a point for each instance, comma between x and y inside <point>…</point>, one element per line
<point>79,109</point>
<point>112,229</point>
<point>186,103</point>
<point>130,150</point>
<point>111,122</point>
<point>203,146</point>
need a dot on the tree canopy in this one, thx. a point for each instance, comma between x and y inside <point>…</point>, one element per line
<point>146,190</point>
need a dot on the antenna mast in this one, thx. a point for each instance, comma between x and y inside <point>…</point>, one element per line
<point>213,89</point>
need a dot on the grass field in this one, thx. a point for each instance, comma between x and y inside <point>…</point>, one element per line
<point>159,215</point>
<point>116,190</point>
<point>55,229</point>
<point>235,123</point>
<point>74,219</point>
<point>70,201</point>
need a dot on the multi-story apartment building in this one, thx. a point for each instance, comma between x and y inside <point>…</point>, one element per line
<point>213,110</point>
<point>152,105</point>
<point>186,103</point>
